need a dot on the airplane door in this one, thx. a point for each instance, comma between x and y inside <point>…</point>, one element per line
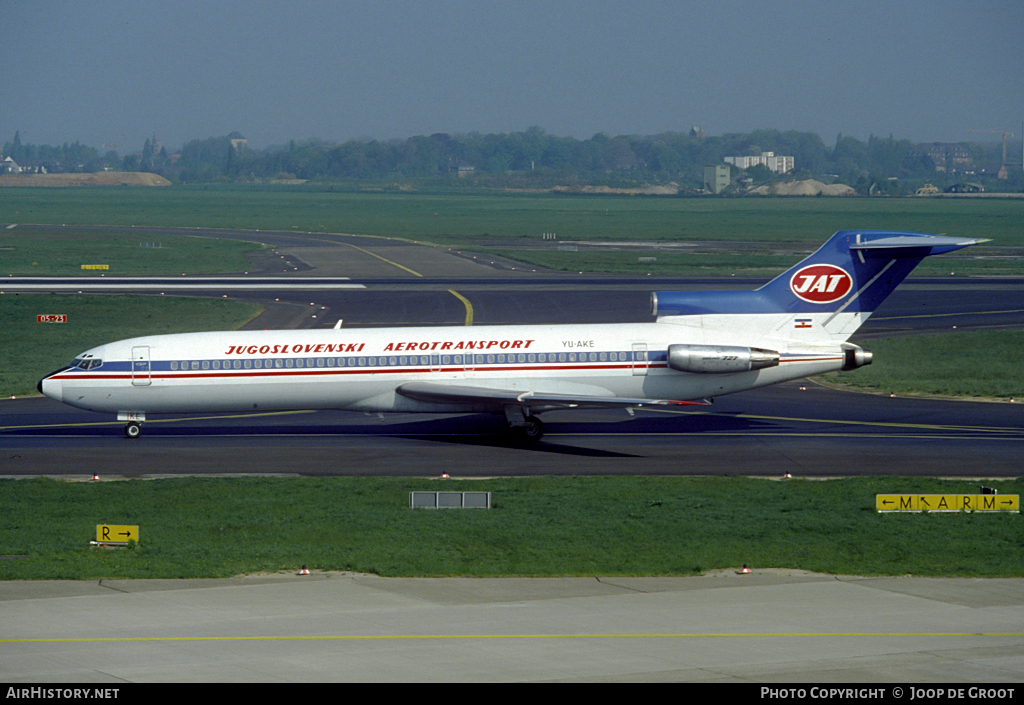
<point>639,359</point>
<point>141,374</point>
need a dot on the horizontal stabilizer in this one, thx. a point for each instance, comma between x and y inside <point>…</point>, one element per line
<point>914,245</point>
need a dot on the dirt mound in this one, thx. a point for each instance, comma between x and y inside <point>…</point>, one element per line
<point>103,178</point>
<point>670,189</point>
<point>809,187</point>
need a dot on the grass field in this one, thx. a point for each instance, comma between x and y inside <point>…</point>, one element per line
<point>974,364</point>
<point>763,264</point>
<point>63,252</point>
<point>209,527</point>
<point>473,218</point>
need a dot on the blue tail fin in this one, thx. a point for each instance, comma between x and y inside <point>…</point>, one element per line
<point>852,273</point>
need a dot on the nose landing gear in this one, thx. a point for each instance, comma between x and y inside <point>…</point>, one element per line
<point>133,419</point>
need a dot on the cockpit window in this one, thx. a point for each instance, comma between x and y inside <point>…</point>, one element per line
<point>87,363</point>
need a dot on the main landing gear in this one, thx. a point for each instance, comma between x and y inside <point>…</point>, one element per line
<point>526,427</point>
<point>133,429</point>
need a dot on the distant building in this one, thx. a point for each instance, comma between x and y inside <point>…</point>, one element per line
<point>31,166</point>
<point>968,187</point>
<point>948,157</point>
<point>780,165</point>
<point>238,141</point>
<point>716,178</point>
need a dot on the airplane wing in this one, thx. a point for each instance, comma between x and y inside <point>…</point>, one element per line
<point>458,394</point>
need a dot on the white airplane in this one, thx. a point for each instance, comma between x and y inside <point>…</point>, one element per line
<point>702,344</point>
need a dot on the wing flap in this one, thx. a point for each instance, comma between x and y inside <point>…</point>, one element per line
<point>457,394</point>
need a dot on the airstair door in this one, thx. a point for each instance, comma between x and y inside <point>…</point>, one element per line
<point>640,361</point>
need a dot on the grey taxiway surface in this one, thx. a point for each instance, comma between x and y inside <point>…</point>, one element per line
<point>768,626</point>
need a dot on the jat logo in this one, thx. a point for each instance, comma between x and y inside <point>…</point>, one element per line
<point>821,283</point>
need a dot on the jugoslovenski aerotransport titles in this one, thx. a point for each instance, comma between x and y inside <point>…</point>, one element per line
<point>701,345</point>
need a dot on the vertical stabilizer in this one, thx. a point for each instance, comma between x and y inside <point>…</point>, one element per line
<point>833,290</point>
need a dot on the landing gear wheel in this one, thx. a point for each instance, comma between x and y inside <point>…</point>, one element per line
<point>132,430</point>
<point>532,430</point>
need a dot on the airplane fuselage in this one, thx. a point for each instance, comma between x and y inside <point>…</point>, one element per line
<point>360,369</point>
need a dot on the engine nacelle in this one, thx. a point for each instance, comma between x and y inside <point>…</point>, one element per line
<point>856,356</point>
<point>719,359</point>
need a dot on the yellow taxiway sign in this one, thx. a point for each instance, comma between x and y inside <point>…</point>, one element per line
<point>947,503</point>
<point>110,533</point>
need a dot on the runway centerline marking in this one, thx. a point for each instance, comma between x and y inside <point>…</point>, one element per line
<point>382,259</point>
<point>460,297</point>
<point>411,637</point>
<point>149,421</point>
<point>844,422</point>
<point>465,302</point>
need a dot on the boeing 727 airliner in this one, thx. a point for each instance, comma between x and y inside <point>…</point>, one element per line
<point>701,345</point>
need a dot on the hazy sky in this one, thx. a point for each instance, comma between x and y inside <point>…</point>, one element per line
<point>116,72</point>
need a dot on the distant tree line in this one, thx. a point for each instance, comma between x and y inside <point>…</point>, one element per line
<point>535,159</point>
<point>65,158</point>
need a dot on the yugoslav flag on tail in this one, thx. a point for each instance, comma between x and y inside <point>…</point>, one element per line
<point>828,295</point>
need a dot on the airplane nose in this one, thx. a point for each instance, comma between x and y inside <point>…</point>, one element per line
<point>52,388</point>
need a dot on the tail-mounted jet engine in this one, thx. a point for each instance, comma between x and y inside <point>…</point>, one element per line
<point>719,359</point>
<point>856,356</point>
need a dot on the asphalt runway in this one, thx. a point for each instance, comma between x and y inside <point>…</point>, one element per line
<point>802,427</point>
